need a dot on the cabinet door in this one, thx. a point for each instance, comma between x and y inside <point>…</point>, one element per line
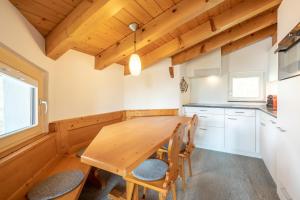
<point>240,133</point>
<point>269,139</point>
<point>210,138</point>
<point>209,120</point>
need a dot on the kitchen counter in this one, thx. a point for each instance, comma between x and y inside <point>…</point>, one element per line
<point>241,106</point>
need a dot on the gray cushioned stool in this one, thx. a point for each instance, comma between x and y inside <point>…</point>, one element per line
<point>151,170</point>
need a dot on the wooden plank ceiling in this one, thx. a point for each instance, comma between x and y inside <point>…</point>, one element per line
<point>181,29</point>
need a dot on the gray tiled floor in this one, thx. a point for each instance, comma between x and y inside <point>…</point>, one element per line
<point>220,176</point>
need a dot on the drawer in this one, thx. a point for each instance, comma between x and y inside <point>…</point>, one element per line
<point>203,110</point>
<point>209,120</point>
<point>211,138</point>
<point>240,112</point>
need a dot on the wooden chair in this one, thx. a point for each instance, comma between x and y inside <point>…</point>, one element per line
<point>185,151</point>
<point>156,174</point>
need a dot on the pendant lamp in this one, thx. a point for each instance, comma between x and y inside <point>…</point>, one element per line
<point>135,66</point>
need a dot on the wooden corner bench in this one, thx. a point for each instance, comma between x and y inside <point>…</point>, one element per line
<point>33,163</point>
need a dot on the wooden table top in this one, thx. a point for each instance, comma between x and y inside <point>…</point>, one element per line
<point>121,147</point>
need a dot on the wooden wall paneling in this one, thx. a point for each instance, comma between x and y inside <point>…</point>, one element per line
<point>165,4</point>
<point>77,133</point>
<point>59,6</point>
<point>79,22</point>
<point>138,12</point>
<point>19,168</point>
<point>39,10</point>
<point>151,6</point>
<point>126,18</point>
<point>43,25</point>
<point>152,112</point>
<point>233,16</point>
<point>250,39</point>
<point>232,34</point>
<point>159,26</point>
<point>73,3</point>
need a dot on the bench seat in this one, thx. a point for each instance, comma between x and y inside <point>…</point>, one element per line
<point>68,162</point>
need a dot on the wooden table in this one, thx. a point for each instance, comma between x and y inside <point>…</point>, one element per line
<point>121,147</point>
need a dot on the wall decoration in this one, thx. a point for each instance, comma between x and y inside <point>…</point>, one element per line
<point>183,85</point>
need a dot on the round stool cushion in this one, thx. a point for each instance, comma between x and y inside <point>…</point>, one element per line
<point>151,170</point>
<point>56,185</point>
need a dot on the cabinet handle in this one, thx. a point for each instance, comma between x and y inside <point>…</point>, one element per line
<point>263,124</point>
<point>240,112</point>
<point>273,122</point>
<point>204,129</point>
<point>281,130</point>
<point>203,116</point>
<point>203,110</point>
<point>232,118</point>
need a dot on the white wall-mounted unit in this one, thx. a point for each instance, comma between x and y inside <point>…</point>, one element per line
<point>208,65</point>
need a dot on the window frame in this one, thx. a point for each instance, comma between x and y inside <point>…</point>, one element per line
<point>12,73</point>
<point>262,86</point>
<point>18,63</point>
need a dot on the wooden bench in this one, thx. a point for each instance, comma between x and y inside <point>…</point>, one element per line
<point>33,163</point>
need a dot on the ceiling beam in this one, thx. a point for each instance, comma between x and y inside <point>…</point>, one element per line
<point>231,17</point>
<point>232,34</point>
<point>248,40</point>
<point>80,21</point>
<point>172,18</point>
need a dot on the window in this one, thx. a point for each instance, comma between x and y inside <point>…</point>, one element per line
<point>18,102</point>
<point>246,86</point>
<point>23,101</point>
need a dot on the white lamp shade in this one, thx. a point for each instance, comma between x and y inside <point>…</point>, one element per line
<point>135,65</point>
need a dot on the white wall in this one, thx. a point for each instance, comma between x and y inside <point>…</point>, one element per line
<point>80,90</point>
<point>215,89</point>
<point>153,89</point>
<point>75,88</point>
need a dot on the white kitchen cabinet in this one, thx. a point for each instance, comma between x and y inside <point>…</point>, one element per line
<point>210,130</point>
<point>231,130</point>
<point>210,138</point>
<point>269,143</point>
<point>240,134</point>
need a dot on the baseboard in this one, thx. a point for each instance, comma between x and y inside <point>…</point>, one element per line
<point>223,150</point>
<point>282,192</point>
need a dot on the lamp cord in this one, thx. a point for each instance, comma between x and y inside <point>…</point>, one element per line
<point>134,42</point>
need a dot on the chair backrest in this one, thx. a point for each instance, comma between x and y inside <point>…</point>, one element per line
<point>191,134</point>
<point>173,154</point>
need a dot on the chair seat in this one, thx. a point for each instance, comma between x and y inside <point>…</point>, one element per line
<point>151,170</point>
<point>56,185</point>
<point>182,148</point>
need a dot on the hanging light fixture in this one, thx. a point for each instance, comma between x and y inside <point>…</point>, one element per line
<point>135,66</point>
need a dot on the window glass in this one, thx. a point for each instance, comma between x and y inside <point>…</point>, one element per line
<point>18,104</point>
<point>246,86</point>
